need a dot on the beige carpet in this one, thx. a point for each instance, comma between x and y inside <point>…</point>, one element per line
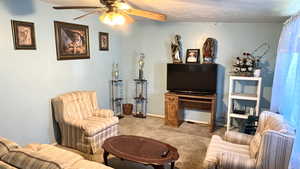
<point>191,140</point>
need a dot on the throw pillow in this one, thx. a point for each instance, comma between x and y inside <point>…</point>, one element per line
<point>41,156</point>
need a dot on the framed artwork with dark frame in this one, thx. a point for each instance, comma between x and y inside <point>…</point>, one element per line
<point>103,41</point>
<point>23,35</point>
<point>192,56</point>
<point>72,41</point>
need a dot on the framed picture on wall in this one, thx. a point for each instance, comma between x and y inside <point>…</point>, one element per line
<point>192,56</point>
<point>103,41</point>
<point>23,35</point>
<point>72,41</point>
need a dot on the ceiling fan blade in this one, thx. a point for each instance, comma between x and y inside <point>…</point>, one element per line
<point>77,7</point>
<point>87,14</point>
<point>147,14</point>
<point>129,19</point>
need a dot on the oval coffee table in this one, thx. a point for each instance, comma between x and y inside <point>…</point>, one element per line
<point>141,150</point>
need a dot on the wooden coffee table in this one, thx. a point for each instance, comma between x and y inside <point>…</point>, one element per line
<point>141,150</point>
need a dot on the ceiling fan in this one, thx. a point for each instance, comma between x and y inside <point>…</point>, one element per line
<point>116,12</point>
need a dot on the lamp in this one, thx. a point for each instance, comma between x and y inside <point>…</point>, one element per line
<point>112,18</point>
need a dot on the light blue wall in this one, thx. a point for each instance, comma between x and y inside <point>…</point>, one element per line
<point>30,78</point>
<point>233,39</point>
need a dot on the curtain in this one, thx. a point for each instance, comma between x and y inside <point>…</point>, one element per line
<point>286,84</point>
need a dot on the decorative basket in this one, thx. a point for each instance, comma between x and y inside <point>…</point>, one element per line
<point>127,109</point>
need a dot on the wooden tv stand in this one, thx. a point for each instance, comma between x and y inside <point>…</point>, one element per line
<point>175,102</point>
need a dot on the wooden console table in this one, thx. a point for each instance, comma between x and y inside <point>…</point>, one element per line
<point>174,104</point>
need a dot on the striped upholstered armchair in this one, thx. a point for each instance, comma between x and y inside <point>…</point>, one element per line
<point>269,148</point>
<point>82,124</point>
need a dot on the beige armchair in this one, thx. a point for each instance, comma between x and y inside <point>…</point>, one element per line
<point>269,148</point>
<point>83,126</point>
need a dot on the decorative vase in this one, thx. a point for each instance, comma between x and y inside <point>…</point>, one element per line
<point>257,72</point>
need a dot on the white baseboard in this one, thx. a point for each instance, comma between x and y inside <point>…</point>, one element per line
<point>188,120</point>
<point>156,115</point>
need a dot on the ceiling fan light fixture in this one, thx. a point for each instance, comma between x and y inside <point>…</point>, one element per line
<point>123,6</point>
<point>112,18</point>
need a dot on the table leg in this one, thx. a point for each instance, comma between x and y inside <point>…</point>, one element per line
<point>158,166</point>
<point>212,116</point>
<point>105,155</point>
<point>172,165</point>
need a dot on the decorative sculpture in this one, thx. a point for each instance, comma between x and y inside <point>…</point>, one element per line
<point>209,50</point>
<point>115,71</point>
<point>141,63</point>
<point>140,90</point>
<point>176,49</point>
<point>249,63</point>
<point>243,65</point>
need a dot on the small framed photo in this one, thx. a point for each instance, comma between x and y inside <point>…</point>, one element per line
<point>193,56</point>
<point>72,41</point>
<point>103,41</point>
<point>23,35</point>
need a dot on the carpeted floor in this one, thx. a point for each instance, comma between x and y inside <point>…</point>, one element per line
<point>191,140</point>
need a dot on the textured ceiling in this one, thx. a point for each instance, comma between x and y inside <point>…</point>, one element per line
<point>211,10</point>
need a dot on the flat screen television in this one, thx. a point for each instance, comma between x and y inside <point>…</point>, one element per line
<point>192,78</point>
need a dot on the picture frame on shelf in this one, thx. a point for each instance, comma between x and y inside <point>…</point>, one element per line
<point>192,56</point>
<point>103,41</point>
<point>72,41</point>
<point>23,35</point>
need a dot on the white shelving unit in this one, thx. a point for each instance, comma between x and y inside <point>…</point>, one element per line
<point>242,96</point>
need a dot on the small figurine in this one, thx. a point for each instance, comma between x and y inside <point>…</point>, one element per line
<point>176,49</point>
<point>209,50</point>
<point>141,63</point>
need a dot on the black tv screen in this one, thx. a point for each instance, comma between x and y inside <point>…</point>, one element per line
<point>192,78</point>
